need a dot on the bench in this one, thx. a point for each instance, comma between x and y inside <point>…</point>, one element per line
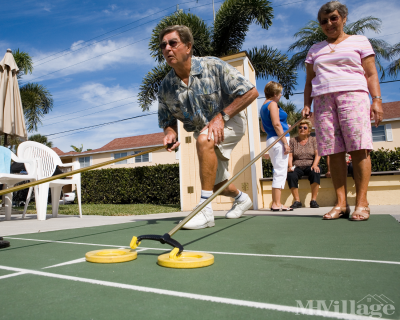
<point>383,189</point>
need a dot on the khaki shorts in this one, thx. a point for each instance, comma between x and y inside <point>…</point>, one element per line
<point>234,130</point>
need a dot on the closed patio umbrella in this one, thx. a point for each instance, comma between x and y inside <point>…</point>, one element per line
<point>12,120</point>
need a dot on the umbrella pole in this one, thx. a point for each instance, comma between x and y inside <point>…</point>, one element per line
<point>5,140</point>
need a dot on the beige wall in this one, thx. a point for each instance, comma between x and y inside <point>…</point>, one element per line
<point>158,157</point>
<point>382,190</point>
<point>240,156</point>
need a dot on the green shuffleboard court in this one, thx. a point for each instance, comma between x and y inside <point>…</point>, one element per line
<point>266,267</point>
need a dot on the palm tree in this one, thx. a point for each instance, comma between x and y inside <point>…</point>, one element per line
<point>36,102</point>
<point>312,34</point>
<point>226,37</point>
<point>76,149</point>
<point>36,99</point>
<point>41,139</point>
<point>293,115</point>
<point>394,67</point>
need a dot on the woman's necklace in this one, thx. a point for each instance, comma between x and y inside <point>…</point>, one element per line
<point>332,49</point>
<point>338,39</point>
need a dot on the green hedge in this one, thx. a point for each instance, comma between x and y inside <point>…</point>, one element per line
<point>157,184</point>
<point>385,160</point>
<point>381,160</point>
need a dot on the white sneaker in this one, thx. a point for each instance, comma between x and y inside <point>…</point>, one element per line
<point>203,219</point>
<point>238,208</point>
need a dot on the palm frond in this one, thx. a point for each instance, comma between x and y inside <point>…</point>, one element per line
<point>201,34</point>
<point>150,83</point>
<point>41,139</point>
<point>36,102</point>
<point>394,66</point>
<point>308,36</point>
<point>294,115</point>
<point>362,25</point>
<point>232,22</point>
<point>269,62</point>
<point>77,149</point>
<point>23,61</point>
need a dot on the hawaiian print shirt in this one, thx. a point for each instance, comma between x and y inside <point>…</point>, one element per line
<point>213,85</point>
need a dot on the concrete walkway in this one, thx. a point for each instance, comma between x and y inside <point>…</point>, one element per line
<point>31,225</point>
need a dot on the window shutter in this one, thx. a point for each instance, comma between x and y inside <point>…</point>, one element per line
<point>150,156</point>
<point>91,161</point>
<point>388,132</point>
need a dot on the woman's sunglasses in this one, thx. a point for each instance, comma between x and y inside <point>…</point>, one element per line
<point>303,127</point>
<point>331,19</point>
<point>172,44</point>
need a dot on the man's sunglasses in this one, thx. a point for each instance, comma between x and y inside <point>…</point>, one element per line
<point>172,44</point>
<point>332,19</point>
<point>303,127</point>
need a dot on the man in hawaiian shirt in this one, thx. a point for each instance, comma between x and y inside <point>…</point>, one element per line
<point>209,96</point>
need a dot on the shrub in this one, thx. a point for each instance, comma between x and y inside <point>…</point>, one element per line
<point>385,160</point>
<point>157,184</point>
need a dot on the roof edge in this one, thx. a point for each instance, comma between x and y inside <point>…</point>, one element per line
<point>112,150</point>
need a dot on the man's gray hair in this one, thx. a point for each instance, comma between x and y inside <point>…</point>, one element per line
<point>331,6</point>
<point>184,34</point>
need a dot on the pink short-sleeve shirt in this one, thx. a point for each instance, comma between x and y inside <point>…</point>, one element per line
<point>340,70</point>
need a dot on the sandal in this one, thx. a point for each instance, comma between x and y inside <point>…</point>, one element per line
<point>282,209</point>
<point>364,212</point>
<point>337,212</point>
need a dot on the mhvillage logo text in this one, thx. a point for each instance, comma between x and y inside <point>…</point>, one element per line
<point>370,305</point>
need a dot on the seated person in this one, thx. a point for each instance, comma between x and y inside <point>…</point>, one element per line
<point>304,160</point>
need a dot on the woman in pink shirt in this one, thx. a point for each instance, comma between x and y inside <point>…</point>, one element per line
<point>340,73</point>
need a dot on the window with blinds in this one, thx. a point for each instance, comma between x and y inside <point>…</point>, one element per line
<point>378,134</point>
<point>142,158</point>
<point>121,155</point>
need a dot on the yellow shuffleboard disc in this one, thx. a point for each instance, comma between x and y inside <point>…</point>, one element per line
<point>186,260</point>
<point>111,255</point>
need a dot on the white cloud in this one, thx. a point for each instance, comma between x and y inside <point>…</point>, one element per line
<point>103,101</point>
<point>99,56</point>
<point>277,36</point>
<point>387,11</point>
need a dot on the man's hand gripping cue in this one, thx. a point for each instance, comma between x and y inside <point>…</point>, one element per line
<point>171,138</point>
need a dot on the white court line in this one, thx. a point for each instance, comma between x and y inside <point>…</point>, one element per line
<point>66,263</point>
<point>226,253</point>
<point>81,260</point>
<point>13,274</point>
<point>235,302</point>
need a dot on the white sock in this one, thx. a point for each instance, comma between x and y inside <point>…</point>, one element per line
<point>204,196</point>
<point>241,196</point>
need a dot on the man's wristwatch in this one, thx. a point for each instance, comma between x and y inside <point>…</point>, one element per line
<point>377,97</point>
<point>225,116</point>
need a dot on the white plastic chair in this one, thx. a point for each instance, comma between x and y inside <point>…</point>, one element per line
<point>47,161</point>
<point>10,179</point>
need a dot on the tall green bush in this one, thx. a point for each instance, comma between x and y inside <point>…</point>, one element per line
<point>385,160</point>
<point>381,160</point>
<point>157,184</point>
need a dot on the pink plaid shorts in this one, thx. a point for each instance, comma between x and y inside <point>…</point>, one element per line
<point>342,122</point>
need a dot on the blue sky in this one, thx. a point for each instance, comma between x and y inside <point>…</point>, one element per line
<point>103,85</point>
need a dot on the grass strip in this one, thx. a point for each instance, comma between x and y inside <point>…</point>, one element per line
<point>108,209</point>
